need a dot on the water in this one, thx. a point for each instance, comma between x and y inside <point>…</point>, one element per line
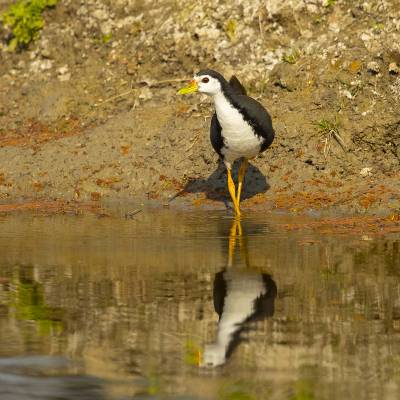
<point>195,306</point>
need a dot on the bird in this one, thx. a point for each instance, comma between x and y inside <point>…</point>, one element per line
<point>241,127</point>
<point>242,295</point>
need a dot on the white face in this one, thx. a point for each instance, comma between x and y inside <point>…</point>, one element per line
<point>207,84</point>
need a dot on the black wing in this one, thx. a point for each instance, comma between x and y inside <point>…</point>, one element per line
<point>219,292</point>
<point>264,306</point>
<point>237,86</point>
<point>257,116</point>
<point>215,135</point>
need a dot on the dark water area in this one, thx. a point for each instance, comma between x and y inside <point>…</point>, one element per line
<point>172,305</point>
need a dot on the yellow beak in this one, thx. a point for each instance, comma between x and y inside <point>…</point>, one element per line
<point>191,88</point>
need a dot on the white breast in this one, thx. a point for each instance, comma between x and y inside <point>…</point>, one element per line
<point>242,290</point>
<point>240,139</point>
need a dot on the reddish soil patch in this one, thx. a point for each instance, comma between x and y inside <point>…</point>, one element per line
<point>54,207</point>
<point>34,132</point>
<point>351,225</point>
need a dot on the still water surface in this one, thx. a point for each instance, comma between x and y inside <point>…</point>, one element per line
<point>195,306</point>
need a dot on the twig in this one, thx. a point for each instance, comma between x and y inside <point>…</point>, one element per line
<point>195,139</point>
<point>131,214</point>
<point>115,97</point>
<point>336,135</point>
<point>149,84</point>
<point>340,140</point>
<point>327,146</point>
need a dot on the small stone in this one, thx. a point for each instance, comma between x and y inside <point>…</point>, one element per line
<point>45,48</point>
<point>394,69</point>
<point>366,171</point>
<point>63,74</point>
<point>131,68</point>
<point>106,27</point>
<point>41,65</point>
<point>100,14</point>
<point>365,37</point>
<point>373,67</point>
<point>45,53</point>
<point>62,70</point>
<point>347,94</point>
<point>334,27</point>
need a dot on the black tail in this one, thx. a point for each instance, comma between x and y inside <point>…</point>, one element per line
<point>237,86</point>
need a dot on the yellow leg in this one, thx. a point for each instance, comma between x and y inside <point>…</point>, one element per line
<point>232,190</point>
<point>236,234</point>
<point>242,173</point>
<point>232,243</point>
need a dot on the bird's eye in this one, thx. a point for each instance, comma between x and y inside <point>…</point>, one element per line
<point>205,80</point>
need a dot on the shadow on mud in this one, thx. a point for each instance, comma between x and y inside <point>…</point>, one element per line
<point>215,186</point>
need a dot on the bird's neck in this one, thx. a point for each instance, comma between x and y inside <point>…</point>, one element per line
<point>219,97</point>
<point>223,107</point>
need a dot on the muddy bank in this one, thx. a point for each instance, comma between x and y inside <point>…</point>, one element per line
<point>90,111</point>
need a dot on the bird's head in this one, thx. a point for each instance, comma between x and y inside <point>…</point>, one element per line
<point>214,356</point>
<point>208,81</point>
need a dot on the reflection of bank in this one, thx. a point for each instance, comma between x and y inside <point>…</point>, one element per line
<point>241,295</point>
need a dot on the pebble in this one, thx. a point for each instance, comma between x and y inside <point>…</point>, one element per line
<point>366,171</point>
<point>62,70</point>
<point>63,74</point>
<point>41,65</point>
<point>347,94</point>
<point>131,68</point>
<point>100,14</point>
<point>106,27</point>
<point>365,37</point>
<point>373,67</point>
<point>394,69</point>
<point>45,53</point>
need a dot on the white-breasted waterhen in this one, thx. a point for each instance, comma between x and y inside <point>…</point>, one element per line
<point>240,127</point>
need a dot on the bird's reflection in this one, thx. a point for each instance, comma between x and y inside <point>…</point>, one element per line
<point>241,295</point>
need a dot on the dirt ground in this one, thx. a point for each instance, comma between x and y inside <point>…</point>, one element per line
<point>89,112</point>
